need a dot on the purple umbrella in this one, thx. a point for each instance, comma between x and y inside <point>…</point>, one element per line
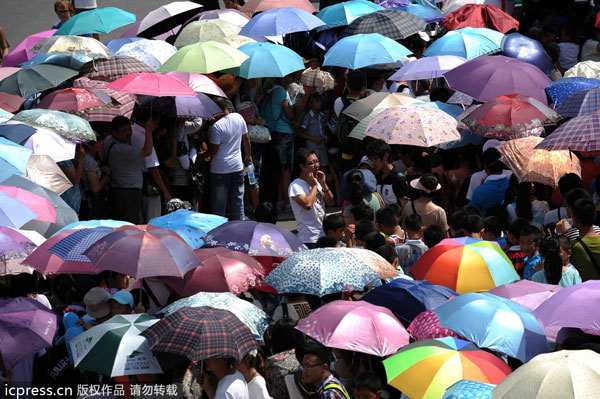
<point>199,106</point>
<point>21,53</point>
<point>14,248</point>
<point>488,77</point>
<point>26,327</point>
<point>528,294</point>
<point>392,4</point>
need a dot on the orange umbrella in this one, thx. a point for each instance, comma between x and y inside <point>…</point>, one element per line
<point>481,16</point>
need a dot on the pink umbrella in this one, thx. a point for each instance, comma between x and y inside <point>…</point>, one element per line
<point>200,83</point>
<point>234,16</point>
<point>528,294</point>
<point>152,84</point>
<point>74,99</point>
<point>427,326</point>
<point>39,204</point>
<point>356,326</point>
<point>21,53</point>
<point>46,262</point>
<point>7,71</point>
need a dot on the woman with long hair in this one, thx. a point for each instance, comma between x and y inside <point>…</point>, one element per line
<point>359,187</point>
<point>527,206</point>
<point>558,269</point>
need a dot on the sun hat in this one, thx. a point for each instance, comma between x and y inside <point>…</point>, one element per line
<point>124,298</point>
<point>428,183</point>
<point>97,303</point>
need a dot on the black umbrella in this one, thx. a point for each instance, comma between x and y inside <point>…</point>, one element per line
<point>395,24</point>
<point>167,17</point>
<point>29,81</point>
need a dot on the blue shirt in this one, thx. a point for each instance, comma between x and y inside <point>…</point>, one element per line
<point>491,192</point>
<point>530,265</point>
<point>283,124</point>
<point>331,393</point>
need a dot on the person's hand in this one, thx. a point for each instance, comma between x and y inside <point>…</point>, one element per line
<point>311,180</point>
<point>105,170</point>
<point>170,162</point>
<point>316,139</point>
<point>151,124</point>
<point>166,197</point>
<point>321,178</point>
<point>260,121</point>
<point>206,384</point>
<point>80,154</point>
<point>140,308</point>
<point>248,159</point>
<point>349,232</point>
<point>308,90</point>
<point>562,227</point>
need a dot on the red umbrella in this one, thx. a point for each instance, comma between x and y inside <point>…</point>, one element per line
<point>74,99</point>
<point>481,16</point>
<point>45,262</point>
<point>10,102</point>
<point>152,84</point>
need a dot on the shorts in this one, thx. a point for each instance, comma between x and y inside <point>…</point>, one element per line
<point>284,144</point>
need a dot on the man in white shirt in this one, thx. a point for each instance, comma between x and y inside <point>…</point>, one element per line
<point>308,196</point>
<point>478,178</point>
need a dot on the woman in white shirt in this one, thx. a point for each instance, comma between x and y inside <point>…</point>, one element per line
<point>220,380</point>
<point>257,386</point>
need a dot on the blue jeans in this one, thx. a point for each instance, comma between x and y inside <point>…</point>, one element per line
<point>284,144</point>
<point>227,188</point>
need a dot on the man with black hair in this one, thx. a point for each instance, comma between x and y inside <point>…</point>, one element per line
<point>362,228</point>
<point>566,183</point>
<point>565,226</point>
<point>475,226</point>
<point>334,226</point>
<point>495,185</point>
<point>585,254</point>
<point>373,240</point>
<point>367,385</point>
<point>492,230</point>
<point>478,178</point>
<point>457,223</point>
<point>433,235</point>
<point>316,371</point>
<point>392,185</point>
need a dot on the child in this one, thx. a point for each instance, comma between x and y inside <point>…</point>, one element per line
<point>334,226</point>
<point>367,386</point>
<point>361,230</point>
<point>387,222</point>
<point>529,242</point>
<point>492,230</point>
<point>474,226</point>
<point>512,249</point>
<point>373,241</point>
<point>388,253</point>
<point>312,129</point>
<point>433,235</point>
<point>413,247</point>
<point>557,267</point>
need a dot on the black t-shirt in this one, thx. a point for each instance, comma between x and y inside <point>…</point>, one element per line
<point>393,187</point>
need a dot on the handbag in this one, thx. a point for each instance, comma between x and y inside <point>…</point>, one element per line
<point>259,134</point>
<point>149,188</point>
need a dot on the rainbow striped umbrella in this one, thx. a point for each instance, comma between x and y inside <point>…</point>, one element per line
<point>465,265</point>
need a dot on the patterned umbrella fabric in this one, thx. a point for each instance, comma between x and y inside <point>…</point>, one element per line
<point>356,326</point>
<point>481,16</point>
<point>201,333</point>
<point>5,116</point>
<point>40,205</point>
<point>427,326</point>
<point>98,20</point>
<point>191,226</point>
<point>116,44</point>
<point>45,262</point>
<point>29,81</point>
<point>22,52</point>
<point>559,90</point>
<point>468,43</point>
<point>68,45</point>
<point>10,102</point>
<point>464,389</point>
<point>204,31</point>
<point>72,246</point>
<point>153,53</point>
<point>200,83</point>
<point>363,50</point>
<point>230,15</point>
<point>394,24</point>
<point>14,248</point>
<point>526,293</point>
<point>39,140</point>
<point>539,166</point>
<point>425,369</point>
<point>360,109</point>
<point>280,21</point>
<point>88,224</point>
<point>584,102</point>
<point>113,68</point>
<point>326,271</point>
<point>254,6</point>
<point>584,69</point>
<point>578,134</point>
<point>427,68</point>
<point>205,57</point>
<point>151,84</point>
<point>122,105</point>
<point>392,3</point>
<point>465,265</point>
<point>74,99</point>
<point>254,318</point>
<point>342,14</point>
<point>69,126</point>
<point>417,125</point>
<point>235,41</point>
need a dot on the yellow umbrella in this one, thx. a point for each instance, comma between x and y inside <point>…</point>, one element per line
<point>205,30</point>
<point>235,41</point>
<point>69,45</point>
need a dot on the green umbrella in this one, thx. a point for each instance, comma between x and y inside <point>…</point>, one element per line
<point>67,125</point>
<point>115,348</point>
<point>205,57</point>
<point>98,20</point>
<point>29,81</point>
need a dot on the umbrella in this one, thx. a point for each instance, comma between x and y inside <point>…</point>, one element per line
<point>205,57</point>
<point>526,293</point>
<point>116,44</point>
<point>72,246</point>
<point>468,43</point>
<point>32,80</point>
<point>268,60</point>
<point>204,31</point>
<point>460,99</point>
<point>280,21</point>
<point>424,369</point>
<point>559,90</point>
<point>14,213</point>
<point>67,125</point>
<point>223,270</point>
<point>45,262</point>
<point>564,374</point>
<point>325,271</point>
<point>74,99</point>
<point>394,24</point>
<point>153,53</point>
<point>133,30</point>
<point>578,134</point>
<point>14,248</point>
<point>26,327</point>
<point>392,3</point>
<point>39,140</point>
<point>200,106</point>
<point>40,205</point>
<point>10,102</point>
<point>255,239</point>
<point>7,71</point>
<point>166,17</point>
<point>113,68</point>
<point>5,116</point>
<point>254,318</point>
<point>68,45</point>
<point>191,226</point>
<point>254,6</point>
<point>22,51</point>
<point>43,170</point>
<point>152,84</point>
<point>486,78</point>
<point>360,109</point>
<point>363,50</point>
<point>465,265</point>
<point>230,15</point>
<point>417,125</point>
<point>115,348</point>
<point>427,326</point>
<point>407,298</point>
<point>453,5</point>
<point>526,49</point>
<point>223,334</point>
<point>356,326</point>
<point>469,389</point>
<point>342,14</point>
<point>426,13</point>
<point>122,105</point>
<point>98,20</point>
<point>13,158</point>
<point>496,323</point>
<point>584,102</point>
<point>235,41</point>
<point>584,69</point>
<point>73,61</point>
<point>509,117</point>
<point>427,67</point>
<point>200,83</point>
<point>88,224</point>
<point>481,16</point>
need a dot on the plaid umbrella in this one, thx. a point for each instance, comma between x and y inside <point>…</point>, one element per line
<point>72,246</point>
<point>113,68</point>
<point>583,102</point>
<point>122,105</point>
<point>394,24</point>
<point>201,333</point>
<point>578,134</point>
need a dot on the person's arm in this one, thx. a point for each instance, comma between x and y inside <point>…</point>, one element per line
<point>155,173</point>
<point>95,183</point>
<point>302,134</point>
<point>327,194</point>
<point>148,144</point>
<point>287,109</point>
<point>247,149</point>
<point>306,201</point>
<point>300,105</point>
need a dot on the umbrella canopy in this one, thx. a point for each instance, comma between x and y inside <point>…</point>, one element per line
<point>453,5</point>
<point>200,106</point>
<point>122,105</point>
<point>584,69</point>
<point>356,326</point>
<point>427,326</point>
<point>469,389</point>
<point>342,14</point>
<point>88,224</point>
<point>5,116</point>
<point>200,83</point>
<point>325,271</point>
<point>268,60</point>
<point>153,53</point>
<point>22,52</point>
<point>468,43</point>
<point>253,6</point>
<point>427,67</point>
<point>424,369</point>
<point>116,44</point>
<point>223,334</point>
<point>14,213</point>
<point>583,102</point>
<point>13,158</point>
<point>205,57</point>
<point>568,374</point>
<point>39,140</point>
<point>280,21</point>
<point>68,45</point>
<point>29,81</point>
<point>578,134</point>
<point>561,89</point>
<point>115,348</point>
<point>14,248</point>
<point>74,99</point>
<point>152,84</point>
<point>7,71</point>
<point>486,78</point>
<point>509,117</point>
<point>113,68</point>
<point>425,12</point>
<point>526,293</point>
<point>10,102</point>
<point>143,251</point>
<point>395,24</point>
<point>40,205</point>
<point>222,270</point>
<point>204,31</point>
<point>26,327</point>
<point>166,17</point>
<point>235,41</point>
<point>98,20</point>
<point>73,61</point>
<point>465,265</point>
<point>45,262</point>
<point>393,3</point>
<point>67,125</point>
<point>363,50</point>
<point>516,45</point>
<point>191,226</point>
<point>72,246</point>
<point>417,125</point>
<point>407,298</point>
<point>230,15</point>
<point>43,170</point>
<point>481,16</point>
<point>254,318</point>
<point>360,109</point>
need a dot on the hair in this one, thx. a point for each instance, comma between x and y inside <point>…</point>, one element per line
<point>368,380</point>
<point>471,210</point>
<point>387,217</point>
<point>373,240</point>
<point>584,212</point>
<point>326,242</point>
<point>491,160</point>
<point>397,208</point>
<point>221,102</point>
<point>142,115</point>
<point>570,30</point>
<point>364,227</point>
<point>516,226</point>
<point>301,155</point>
<point>441,94</point>
<point>65,3</point>
<point>333,222</point>
<point>575,195</point>
<point>493,225</point>
<point>433,235</point>
<point>284,335</point>
<point>430,182</point>
<point>362,211</point>
<point>553,51</point>
<point>355,182</point>
<point>500,213</point>
<point>569,182</point>
<point>388,253</point>
<point>533,232</point>
<point>373,76</point>
<point>550,250</point>
<point>523,201</point>
<point>458,222</point>
<point>474,224</point>
<point>265,212</point>
<point>118,122</point>
<point>413,223</point>
<point>378,148</point>
<point>356,80</point>
<point>322,353</point>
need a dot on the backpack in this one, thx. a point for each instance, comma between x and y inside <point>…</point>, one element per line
<point>345,124</point>
<point>265,109</point>
<point>337,387</point>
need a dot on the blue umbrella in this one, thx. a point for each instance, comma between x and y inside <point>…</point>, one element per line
<point>268,60</point>
<point>17,132</point>
<point>279,22</point>
<point>191,226</point>
<point>363,50</point>
<point>527,49</point>
<point>74,61</point>
<point>72,247</point>
<point>115,45</point>
<point>88,224</point>
<point>584,102</point>
<point>468,43</point>
<point>426,13</point>
<point>344,13</point>
<point>407,298</point>
<point>13,213</point>
<point>13,158</point>
<point>98,20</point>
<point>561,89</point>
<point>464,389</point>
